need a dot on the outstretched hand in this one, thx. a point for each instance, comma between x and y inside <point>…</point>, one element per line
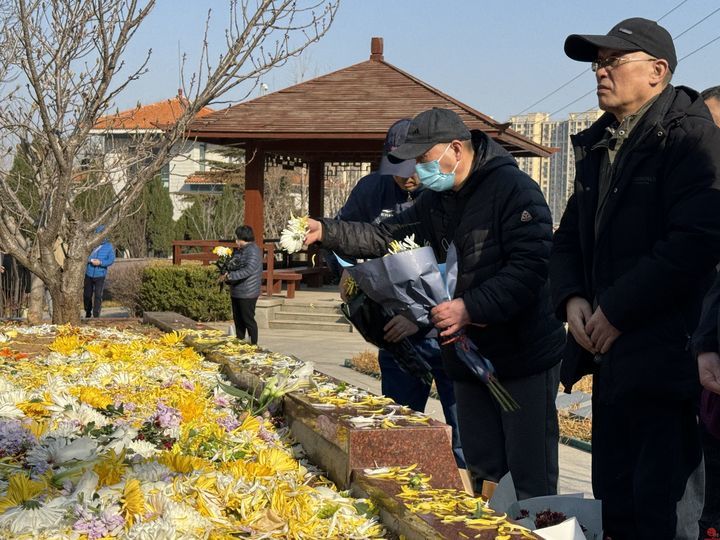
<point>314,232</point>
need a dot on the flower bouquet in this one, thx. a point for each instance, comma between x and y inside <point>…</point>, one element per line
<point>559,517</point>
<point>409,279</point>
<point>224,256</point>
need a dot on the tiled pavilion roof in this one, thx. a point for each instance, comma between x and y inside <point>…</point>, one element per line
<point>353,105</point>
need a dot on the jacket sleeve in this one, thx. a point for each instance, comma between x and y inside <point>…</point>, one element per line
<point>106,255</point>
<point>525,235</point>
<point>705,338</point>
<point>566,263</point>
<point>691,246</point>
<point>369,240</point>
<point>252,264</point>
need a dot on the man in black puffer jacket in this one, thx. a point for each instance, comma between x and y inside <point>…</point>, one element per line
<point>631,260</point>
<point>500,224</point>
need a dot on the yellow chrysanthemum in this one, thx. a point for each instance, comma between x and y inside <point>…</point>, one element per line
<point>92,396</point>
<point>183,464</point>
<point>247,469</point>
<point>111,468</point>
<point>132,501</point>
<point>251,423</point>
<point>37,427</point>
<point>191,407</point>
<point>35,409</point>
<point>173,338</point>
<point>67,344</point>
<point>277,459</point>
<point>20,489</point>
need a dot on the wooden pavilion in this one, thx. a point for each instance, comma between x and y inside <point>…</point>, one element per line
<point>339,117</point>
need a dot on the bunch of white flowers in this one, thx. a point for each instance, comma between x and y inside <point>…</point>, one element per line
<point>293,236</point>
<point>406,244</point>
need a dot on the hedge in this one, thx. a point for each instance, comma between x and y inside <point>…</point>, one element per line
<point>192,291</point>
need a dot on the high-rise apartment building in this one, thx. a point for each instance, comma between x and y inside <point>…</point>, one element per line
<point>554,174</point>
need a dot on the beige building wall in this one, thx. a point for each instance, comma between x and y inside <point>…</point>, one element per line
<point>554,174</point>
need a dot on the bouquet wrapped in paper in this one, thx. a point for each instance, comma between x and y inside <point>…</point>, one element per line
<point>409,279</point>
<point>557,517</point>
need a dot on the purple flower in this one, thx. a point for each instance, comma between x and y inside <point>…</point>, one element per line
<point>221,401</point>
<point>14,438</point>
<point>188,385</point>
<point>167,417</point>
<point>96,526</point>
<point>228,422</point>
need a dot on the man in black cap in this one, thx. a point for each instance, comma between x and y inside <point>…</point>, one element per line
<point>495,215</point>
<point>631,260</point>
<point>380,195</point>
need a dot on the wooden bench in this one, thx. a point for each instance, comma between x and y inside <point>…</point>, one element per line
<point>313,274</point>
<point>271,275</point>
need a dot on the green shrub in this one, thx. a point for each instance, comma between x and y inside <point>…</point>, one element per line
<point>190,290</point>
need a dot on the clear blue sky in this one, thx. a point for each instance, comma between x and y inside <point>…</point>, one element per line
<point>497,56</point>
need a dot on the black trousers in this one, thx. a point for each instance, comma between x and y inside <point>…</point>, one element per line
<point>244,316</point>
<point>644,451</point>
<point>92,295</point>
<point>524,442</point>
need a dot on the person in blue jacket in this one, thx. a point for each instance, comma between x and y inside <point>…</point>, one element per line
<point>98,262</point>
<point>380,195</point>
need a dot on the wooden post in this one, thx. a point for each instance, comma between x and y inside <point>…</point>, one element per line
<point>316,187</point>
<point>254,190</point>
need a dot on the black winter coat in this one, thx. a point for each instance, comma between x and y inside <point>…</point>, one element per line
<point>246,280</point>
<point>501,227</point>
<point>652,257</point>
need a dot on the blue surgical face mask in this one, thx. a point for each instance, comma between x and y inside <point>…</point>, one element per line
<point>431,177</point>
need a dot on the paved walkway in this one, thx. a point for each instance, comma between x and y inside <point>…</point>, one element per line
<point>329,350</point>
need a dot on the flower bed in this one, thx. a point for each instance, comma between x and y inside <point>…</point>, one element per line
<point>115,434</point>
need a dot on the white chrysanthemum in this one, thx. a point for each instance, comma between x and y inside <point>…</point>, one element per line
<point>143,448</point>
<point>53,451</point>
<point>82,415</point>
<point>121,438</point>
<point>33,516</point>
<point>293,235</point>
<point>150,471</point>
<point>185,519</point>
<point>123,378</point>
<point>6,386</point>
<point>61,401</point>
<point>158,529</point>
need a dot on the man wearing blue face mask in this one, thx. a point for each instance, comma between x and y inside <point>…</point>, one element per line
<point>500,224</point>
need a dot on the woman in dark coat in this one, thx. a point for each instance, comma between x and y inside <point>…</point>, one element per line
<point>245,279</point>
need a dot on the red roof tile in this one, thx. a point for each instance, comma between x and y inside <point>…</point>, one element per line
<point>154,116</point>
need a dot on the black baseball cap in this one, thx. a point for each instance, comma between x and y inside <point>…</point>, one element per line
<point>428,129</point>
<point>395,137</point>
<point>636,34</point>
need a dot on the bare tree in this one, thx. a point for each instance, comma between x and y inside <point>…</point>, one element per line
<point>62,66</point>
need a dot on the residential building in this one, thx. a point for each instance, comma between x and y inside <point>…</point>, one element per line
<point>554,174</point>
<point>127,142</point>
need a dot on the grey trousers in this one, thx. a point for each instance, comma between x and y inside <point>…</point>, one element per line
<point>524,442</point>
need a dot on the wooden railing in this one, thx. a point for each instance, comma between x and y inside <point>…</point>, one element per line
<point>273,278</point>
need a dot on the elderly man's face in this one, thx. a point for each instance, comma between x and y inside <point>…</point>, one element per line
<point>408,184</point>
<point>714,105</point>
<point>627,86</point>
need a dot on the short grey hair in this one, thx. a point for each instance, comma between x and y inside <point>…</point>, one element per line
<point>709,93</point>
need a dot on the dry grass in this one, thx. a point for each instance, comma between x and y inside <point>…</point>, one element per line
<point>366,362</point>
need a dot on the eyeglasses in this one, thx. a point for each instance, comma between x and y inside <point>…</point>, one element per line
<point>611,62</point>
